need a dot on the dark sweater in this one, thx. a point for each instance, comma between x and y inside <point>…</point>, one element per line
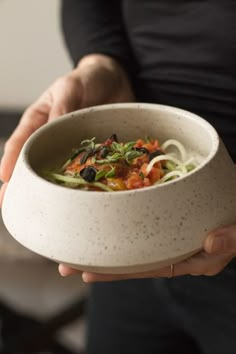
<point>177,52</point>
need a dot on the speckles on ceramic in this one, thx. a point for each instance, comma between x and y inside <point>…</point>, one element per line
<point>121,231</point>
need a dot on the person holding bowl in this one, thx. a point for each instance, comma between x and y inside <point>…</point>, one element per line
<point>173,54</point>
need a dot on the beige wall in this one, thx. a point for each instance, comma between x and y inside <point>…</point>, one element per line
<point>32,52</point>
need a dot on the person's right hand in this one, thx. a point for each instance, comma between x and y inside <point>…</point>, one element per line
<point>98,79</point>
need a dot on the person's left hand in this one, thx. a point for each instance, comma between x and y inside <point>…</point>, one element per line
<point>218,250</point>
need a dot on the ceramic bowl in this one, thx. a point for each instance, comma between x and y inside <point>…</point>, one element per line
<point>128,231</point>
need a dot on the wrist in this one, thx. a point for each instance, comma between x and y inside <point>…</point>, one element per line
<point>99,60</point>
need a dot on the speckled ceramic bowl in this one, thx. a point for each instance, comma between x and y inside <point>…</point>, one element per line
<point>120,232</point>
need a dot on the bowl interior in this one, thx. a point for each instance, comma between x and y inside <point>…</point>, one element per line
<point>51,145</point>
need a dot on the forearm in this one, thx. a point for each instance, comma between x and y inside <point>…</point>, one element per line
<point>96,27</point>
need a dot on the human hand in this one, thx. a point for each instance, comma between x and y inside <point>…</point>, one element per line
<point>218,250</point>
<point>97,79</point>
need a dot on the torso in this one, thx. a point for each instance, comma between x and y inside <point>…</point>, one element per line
<point>186,56</point>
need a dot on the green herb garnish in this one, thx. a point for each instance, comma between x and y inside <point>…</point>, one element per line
<point>105,174</point>
<point>111,173</point>
<point>118,152</point>
<point>141,175</point>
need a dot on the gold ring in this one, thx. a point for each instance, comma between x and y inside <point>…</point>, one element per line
<point>171,271</point>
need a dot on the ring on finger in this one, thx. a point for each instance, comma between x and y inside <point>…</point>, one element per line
<point>172,271</point>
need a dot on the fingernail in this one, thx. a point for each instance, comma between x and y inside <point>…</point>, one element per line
<point>60,270</point>
<point>85,277</point>
<point>217,245</point>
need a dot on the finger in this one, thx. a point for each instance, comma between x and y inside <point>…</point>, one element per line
<point>32,119</point>
<point>65,271</point>
<point>200,264</point>
<point>62,97</point>
<point>221,241</point>
<point>2,192</point>
<point>95,277</point>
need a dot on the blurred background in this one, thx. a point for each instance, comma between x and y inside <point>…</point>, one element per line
<point>40,312</point>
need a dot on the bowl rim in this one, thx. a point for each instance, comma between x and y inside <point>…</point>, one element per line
<point>215,139</point>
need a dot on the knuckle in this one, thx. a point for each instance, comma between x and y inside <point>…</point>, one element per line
<point>65,81</point>
<point>27,113</point>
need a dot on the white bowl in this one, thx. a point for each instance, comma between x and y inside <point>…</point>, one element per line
<point>128,231</point>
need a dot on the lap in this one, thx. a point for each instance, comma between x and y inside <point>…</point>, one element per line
<point>132,317</point>
<point>188,314</point>
<point>207,305</point>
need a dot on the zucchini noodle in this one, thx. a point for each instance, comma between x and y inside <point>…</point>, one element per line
<point>178,145</point>
<point>68,180</point>
<point>181,165</point>
<point>170,175</point>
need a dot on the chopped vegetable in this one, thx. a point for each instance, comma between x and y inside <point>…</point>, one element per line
<point>88,173</point>
<point>117,166</point>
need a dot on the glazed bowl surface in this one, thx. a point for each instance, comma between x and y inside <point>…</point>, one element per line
<point>127,231</point>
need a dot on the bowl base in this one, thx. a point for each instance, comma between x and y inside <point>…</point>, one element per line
<point>139,268</point>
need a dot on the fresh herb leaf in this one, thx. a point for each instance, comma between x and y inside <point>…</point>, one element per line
<point>88,141</point>
<point>110,158</point>
<point>116,147</point>
<point>131,155</point>
<point>141,175</point>
<point>111,173</point>
<point>129,146</point>
<point>100,174</point>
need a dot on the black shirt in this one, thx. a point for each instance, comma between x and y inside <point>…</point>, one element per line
<point>177,52</point>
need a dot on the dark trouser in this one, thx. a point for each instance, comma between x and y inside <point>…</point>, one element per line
<point>184,315</point>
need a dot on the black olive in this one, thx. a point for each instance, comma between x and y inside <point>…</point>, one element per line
<point>155,154</point>
<point>88,173</point>
<point>104,152</point>
<point>142,149</point>
<point>114,138</point>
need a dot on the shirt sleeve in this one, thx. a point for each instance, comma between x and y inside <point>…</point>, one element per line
<point>95,26</point>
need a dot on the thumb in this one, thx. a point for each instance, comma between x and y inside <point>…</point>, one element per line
<point>222,240</point>
<point>2,191</point>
